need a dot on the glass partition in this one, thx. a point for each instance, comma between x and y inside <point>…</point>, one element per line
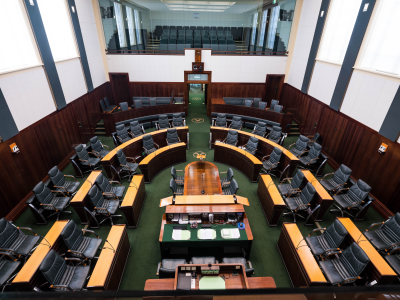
<point>240,27</point>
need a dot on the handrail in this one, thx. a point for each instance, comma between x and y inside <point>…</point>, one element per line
<point>181,52</point>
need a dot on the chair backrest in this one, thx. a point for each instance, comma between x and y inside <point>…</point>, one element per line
<point>335,234</point>
<point>256,102</point>
<point>138,103</point>
<point>72,235</point>
<point>135,128</point>
<point>152,101</point>
<point>355,258</point>
<point>262,105</point>
<point>122,131</point>
<point>275,155</point>
<point>163,121</point>
<point>229,174</point>
<point>278,108</point>
<point>53,267</point>
<point>177,120</point>
<point>121,157</point>
<point>103,183</point>
<point>260,128</point>
<point>172,185</point>
<point>316,137</point>
<point>103,107</point>
<point>297,180</point>
<point>307,194</point>
<point>96,196</point>
<point>315,151</point>
<point>275,133</point>
<point>248,103</point>
<point>273,103</point>
<point>56,177</point>
<point>221,120</point>
<point>301,143</point>
<point>42,193</point>
<point>96,144</point>
<point>81,152</point>
<point>8,233</point>
<point>252,144</point>
<point>148,142</point>
<point>232,137</point>
<point>236,122</point>
<point>342,174</point>
<point>233,186</point>
<point>124,106</point>
<point>392,228</point>
<point>106,102</point>
<point>359,191</point>
<point>173,173</point>
<point>172,136</point>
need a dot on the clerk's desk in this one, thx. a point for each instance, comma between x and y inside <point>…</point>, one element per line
<point>29,276</point>
<point>239,281</point>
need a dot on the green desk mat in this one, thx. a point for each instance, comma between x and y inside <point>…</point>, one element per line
<point>211,283</point>
<point>167,236</point>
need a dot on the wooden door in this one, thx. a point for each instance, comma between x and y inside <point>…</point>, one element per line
<point>273,88</point>
<point>120,87</point>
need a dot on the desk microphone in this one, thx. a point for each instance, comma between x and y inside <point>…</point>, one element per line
<point>358,240</point>
<point>271,183</point>
<point>48,244</point>
<point>134,185</point>
<point>202,183</point>
<point>112,248</point>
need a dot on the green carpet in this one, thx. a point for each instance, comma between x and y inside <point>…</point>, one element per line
<point>145,252</point>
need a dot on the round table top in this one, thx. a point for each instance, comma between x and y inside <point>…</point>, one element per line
<point>201,175</point>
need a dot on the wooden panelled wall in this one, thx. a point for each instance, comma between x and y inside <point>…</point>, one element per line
<point>349,142</point>
<point>45,144</point>
<point>240,90</point>
<point>156,89</point>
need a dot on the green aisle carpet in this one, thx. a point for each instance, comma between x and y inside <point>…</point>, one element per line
<point>145,252</point>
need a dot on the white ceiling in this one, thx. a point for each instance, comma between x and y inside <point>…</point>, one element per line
<point>239,6</point>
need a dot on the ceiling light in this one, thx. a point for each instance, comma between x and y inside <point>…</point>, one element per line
<point>194,9</point>
<point>198,2</point>
<point>197,6</point>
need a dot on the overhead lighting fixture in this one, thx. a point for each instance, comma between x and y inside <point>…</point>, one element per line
<point>196,10</point>
<point>209,6</point>
<point>197,6</point>
<point>198,2</point>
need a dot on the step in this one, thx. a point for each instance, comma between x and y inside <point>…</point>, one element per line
<point>294,133</point>
<point>100,133</point>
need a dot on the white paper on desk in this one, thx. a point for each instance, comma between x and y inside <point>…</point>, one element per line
<point>235,233</point>
<point>193,284</point>
<point>206,234</point>
<point>177,234</point>
<point>184,219</point>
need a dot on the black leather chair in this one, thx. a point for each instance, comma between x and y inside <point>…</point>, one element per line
<point>394,262</point>
<point>163,122</point>
<point>275,134</point>
<point>172,137</point>
<point>294,186</point>
<point>273,161</point>
<point>103,207</point>
<point>313,139</point>
<point>386,238</point>
<point>108,105</point>
<point>306,161</point>
<point>98,147</point>
<point>49,200</point>
<point>167,267</point>
<point>260,129</point>
<point>57,179</point>
<point>300,147</point>
<point>149,145</point>
<point>328,242</point>
<point>251,145</point>
<point>62,276</point>
<point>339,179</point>
<point>14,242</point>
<point>231,138</point>
<point>256,102</point>
<point>203,260</point>
<point>299,203</point>
<point>108,190</point>
<point>106,109</point>
<point>248,267</point>
<point>136,129</point>
<point>87,163</point>
<point>124,106</point>
<point>226,181</point>
<point>347,268</point>
<point>123,135</point>
<point>152,101</point>
<point>353,200</point>
<point>236,123</point>
<point>8,268</point>
<point>176,190</point>
<point>78,245</point>
<point>177,120</point>
<point>273,103</point>
<point>231,189</point>
<point>178,179</point>
<point>262,105</point>
<point>137,103</point>
<point>128,168</point>
<point>278,108</point>
<point>220,121</point>
<point>248,103</point>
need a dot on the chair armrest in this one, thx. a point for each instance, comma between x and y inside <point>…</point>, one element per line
<point>119,138</point>
<point>51,205</point>
<point>305,205</point>
<point>180,170</point>
<point>58,286</point>
<point>341,191</point>
<point>292,191</point>
<point>250,265</point>
<point>114,181</point>
<point>110,194</point>
<point>8,254</point>
<point>312,160</point>
<point>305,151</point>
<point>6,249</point>
<point>100,208</point>
<point>349,280</point>
<point>158,147</point>
<point>27,228</point>
<point>85,161</point>
<point>158,268</point>
<point>75,259</point>
<point>61,187</point>
<point>265,157</point>
<point>331,251</point>
<point>316,229</point>
<point>392,245</point>
<point>127,167</point>
<point>77,252</point>
<point>285,179</point>
<point>91,231</point>
<point>374,224</point>
<point>106,147</point>
<point>132,159</point>
<point>290,146</point>
<point>71,177</point>
<point>56,192</point>
<point>131,134</point>
<point>223,172</point>
<point>276,163</point>
<point>95,153</point>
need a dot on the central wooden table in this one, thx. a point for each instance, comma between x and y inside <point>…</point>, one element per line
<point>195,181</point>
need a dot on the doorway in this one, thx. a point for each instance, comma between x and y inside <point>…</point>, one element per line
<point>273,88</point>
<point>197,98</point>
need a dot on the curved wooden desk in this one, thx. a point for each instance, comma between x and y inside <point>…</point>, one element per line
<point>265,147</point>
<point>134,147</point>
<point>194,182</point>
<point>164,157</point>
<point>245,162</point>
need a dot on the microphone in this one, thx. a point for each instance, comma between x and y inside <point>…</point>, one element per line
<point>297,247</point>
<point>358,240</point>
<point>134,185</point>
<point>48,244</point>
<point>271,183</point>
<point>110,245</point>
<point>202,183</point>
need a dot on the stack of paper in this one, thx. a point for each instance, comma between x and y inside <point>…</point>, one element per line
<point>206,234</point>
<point>230,233</point>
<point>180,235</point>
